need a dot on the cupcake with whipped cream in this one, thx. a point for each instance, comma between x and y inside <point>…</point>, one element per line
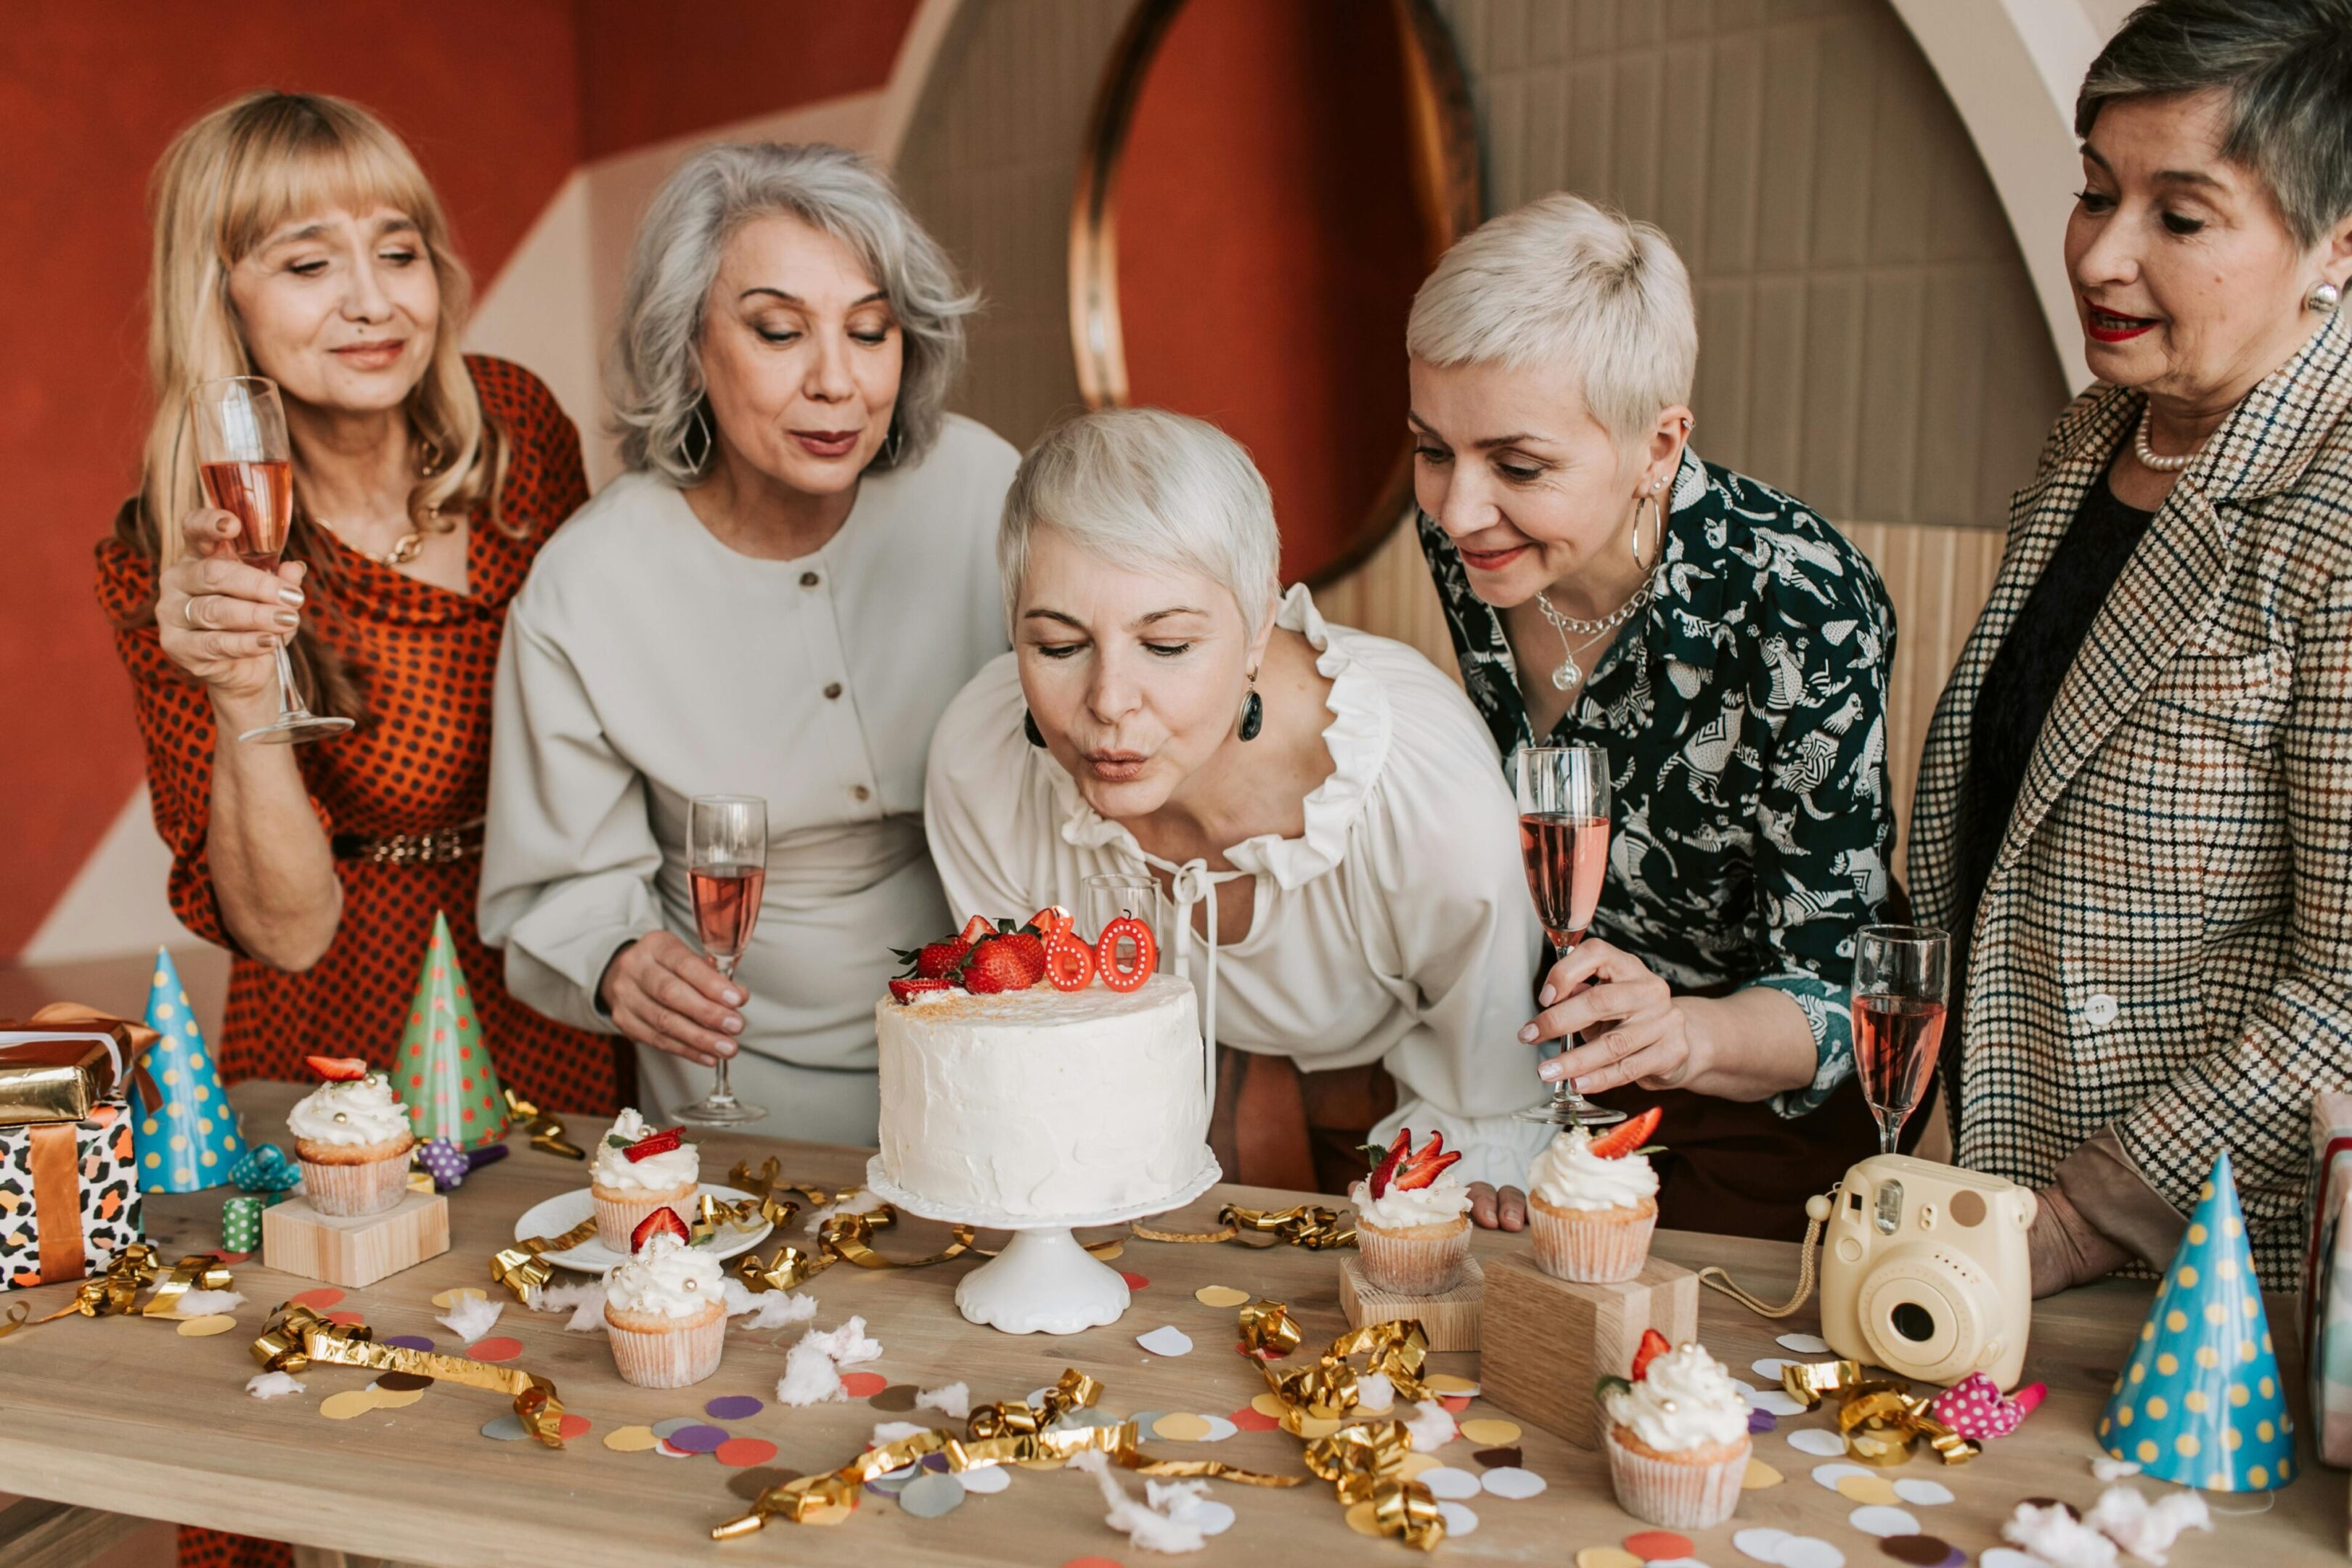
<point>1678,1445</point>
<point>636,1171</point>
<point>351,1138</point>
<point>1593,1202</point>
<point>1412,1220</point>
<point>666,1312</point>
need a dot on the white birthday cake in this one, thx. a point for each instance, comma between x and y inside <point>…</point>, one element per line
<point>1042,1101</point>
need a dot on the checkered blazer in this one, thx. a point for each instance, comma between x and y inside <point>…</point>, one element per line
<point>2165,944</point>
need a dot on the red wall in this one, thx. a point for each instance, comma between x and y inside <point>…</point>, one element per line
<point>492,96</point>
<point>1269,245</point>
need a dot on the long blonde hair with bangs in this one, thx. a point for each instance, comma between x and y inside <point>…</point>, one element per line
<point>227,183</point>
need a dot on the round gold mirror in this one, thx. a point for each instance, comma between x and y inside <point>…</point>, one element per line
<point>1264,184</point>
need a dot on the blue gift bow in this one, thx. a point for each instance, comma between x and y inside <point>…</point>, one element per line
<point>264,1169</point>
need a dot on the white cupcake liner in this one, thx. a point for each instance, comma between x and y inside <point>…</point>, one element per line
<point>1406,1265</point>
<point>619,1216</point>
<point>1592,1246</point>
<point>668,1357</point>
<point>1676,1494</point>
<point>355,1191</point>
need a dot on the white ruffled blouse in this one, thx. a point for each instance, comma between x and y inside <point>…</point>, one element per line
<point>1396,928</point>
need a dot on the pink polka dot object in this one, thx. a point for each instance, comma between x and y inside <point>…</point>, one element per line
<point>1974,1407</point>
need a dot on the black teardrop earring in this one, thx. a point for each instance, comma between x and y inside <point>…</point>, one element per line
<point>1029,728</point>
<point>1252,712</point>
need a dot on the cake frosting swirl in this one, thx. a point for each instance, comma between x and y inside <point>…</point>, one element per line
<point>1686,1399</point>
<point>663,1173</point>
<point>666,1279</point>
<point>1568,1175</point>
<point>1401,1209</point>
<point>348,1114</point>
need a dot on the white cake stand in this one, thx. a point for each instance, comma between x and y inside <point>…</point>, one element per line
<point>1044,1282</point>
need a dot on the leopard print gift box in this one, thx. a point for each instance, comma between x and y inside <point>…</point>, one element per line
<point>68,1198</point>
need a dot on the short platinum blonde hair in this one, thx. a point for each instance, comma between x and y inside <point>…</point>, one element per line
<point>655,379</point>
<point>1145,488</point>
<point>1566,279</point>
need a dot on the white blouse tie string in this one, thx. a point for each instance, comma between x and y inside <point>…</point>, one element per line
<point>1192,884</point>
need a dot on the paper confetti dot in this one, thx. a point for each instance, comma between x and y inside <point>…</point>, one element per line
<point>986,1478</point>
<point>1774,1402</point>
<point>1812,1552</point>
<point>1361,1520</point>
<point>896,1400</point>
<point>697,1439</point>
<point>1607,1557</point>
<point>668,1425</point>
<point>1509,1482</point>
<point>409,1342</point>
<point>1491,1432</point>
<point>1456,1402</point>
<point>863,1384</point>
<point>1134,1281</point>
<point>507,1428</point>
<point>734,1407</point>
<point>1759,1475</point>
<point>319,1300</point>
<point>1489,1459</point>
<point>1924,1493</point>
<point>210,1323</point>
<point>1443,1481</point>
<point>1265,1404</point>
<point>631,1440</point>
<point>1447,1382</point>
<point>1768,1369</point>
<point>2004,1557</point>
<point>569,1426</point>
<point>1249,1418</point>
<point>1219,1429</point>
<point>1814,1440</point>
<point>397,1401</point>
<point>1167,1339</point>
<point>1830,1475</point>
<point>1313,1426</point>
<point>749,1484</point>
<point>1803,1344</point>
<point>1459,1521</point>
<point>1762,1421</point>
<point>347,1319</point>
<point>402,1381</point>
<point>1764,1545</point>
<point>1922,1551</point>
<point>667,1452</point>
<point>499,1348</point>
<point>1872,1490</point>
<point>1220,1296</point>
<point>1181,1427</point>
<point>929,1495</point>
<point>1651,1544</point>
<point>449,1298</point>
<point>1883,1521</point>
<point>351,1402</point>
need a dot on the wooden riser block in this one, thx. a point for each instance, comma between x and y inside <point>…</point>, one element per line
<point>1547,1341</point>
<point>1451,1321</point>
<point>297,1239</point>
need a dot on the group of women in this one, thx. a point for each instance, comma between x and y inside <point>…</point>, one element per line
<point>2135,812</point>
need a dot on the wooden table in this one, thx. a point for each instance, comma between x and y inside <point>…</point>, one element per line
<point>125,1414</point>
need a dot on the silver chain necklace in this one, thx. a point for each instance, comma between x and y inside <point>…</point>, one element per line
<point>1570,675</point>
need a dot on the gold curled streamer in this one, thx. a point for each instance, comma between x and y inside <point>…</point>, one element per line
<point>521,1269</point>
<point>116,1292</point>
<point>1879,1417</point>
<point>849,1236</point>
<point>713,1214</point>
<point>841,1238</point>
<point>546,1131</point>
<point>1362,1459</point>
<point>1005,1432</point>
<point>298,1337</point>
<point>768,1179</point>
<point>1305,1225</point>
<point>197,1271</point>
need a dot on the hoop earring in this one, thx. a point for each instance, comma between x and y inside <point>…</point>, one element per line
<point>2324,298</point>
<point>700,426</point>
<point>1657,533</point>
<point>1029,728</point>
<point>893,443</point>
<point>1253,711</point>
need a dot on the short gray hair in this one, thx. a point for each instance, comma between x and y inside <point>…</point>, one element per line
<point>655,379</point>
<point>1563,278</point>
<point>2286,66</point>
<point>1142,486</point>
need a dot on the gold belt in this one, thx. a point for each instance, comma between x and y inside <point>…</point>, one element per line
<point>435,846</point>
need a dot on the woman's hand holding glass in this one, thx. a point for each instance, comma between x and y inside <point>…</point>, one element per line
<point>664,993</point>
<point>221,620</point>
<point>1635,1029</point>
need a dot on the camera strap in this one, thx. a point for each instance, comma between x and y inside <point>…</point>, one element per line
<point>1817,1214</point>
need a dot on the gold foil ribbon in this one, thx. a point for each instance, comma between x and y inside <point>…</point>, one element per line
<point>1879,1417</point>
<point>1363,1459</point>
<point>1305,1225</point>
<point>116,1292</point>
<point>1010,1432</point>
<point>521,1269</point>
<point>198,1271</point>
<point>546,1131</point>
<point>298,1337</point>
<point>713,1214</point>
<point>841,1238</point>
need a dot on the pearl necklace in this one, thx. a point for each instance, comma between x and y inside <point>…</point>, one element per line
<point>1570,675</point>
<point>2147,454</point>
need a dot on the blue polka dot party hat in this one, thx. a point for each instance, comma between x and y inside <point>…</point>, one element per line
<point>2200,1402</point>
<point>442,1070</point>
<point>188,1141</point>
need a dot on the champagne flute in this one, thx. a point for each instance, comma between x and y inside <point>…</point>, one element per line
<point>1563,794</point>
<point>727,862</point>
<point>1901,977</point>
<point>247,466</point>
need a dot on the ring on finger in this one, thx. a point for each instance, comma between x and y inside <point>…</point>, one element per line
<point>188,614</point>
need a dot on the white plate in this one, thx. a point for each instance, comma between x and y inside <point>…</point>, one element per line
<point>560,1213</point>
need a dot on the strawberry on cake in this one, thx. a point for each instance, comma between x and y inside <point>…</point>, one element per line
<point>1029,1074</point>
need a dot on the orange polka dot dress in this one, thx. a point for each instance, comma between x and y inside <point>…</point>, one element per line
<point>422,660</point>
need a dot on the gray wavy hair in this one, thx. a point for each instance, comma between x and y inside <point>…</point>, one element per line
<point>655,379</point>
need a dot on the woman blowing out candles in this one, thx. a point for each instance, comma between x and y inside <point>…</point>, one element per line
<point>2135,803</point>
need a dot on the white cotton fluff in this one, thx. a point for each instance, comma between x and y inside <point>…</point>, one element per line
<point>1433,1428</point>
<point>2057,1538</point>
<point>2147,1530</point>
<point>273,1386</point>
<point>471,1318</point>
<point>847,1345</point>
<point>809,1377</point>
<point>585,1302</point>
<point>1374,1393</point>
<point>774,1309</point>
<point>1149,1528</point>
<point>2107,1468</point>
<point>857,1201</point>
<point>954,1400</point>
<point>891,1431</point>
<point>204,1303</point>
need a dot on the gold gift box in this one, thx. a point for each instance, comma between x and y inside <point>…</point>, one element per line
<point>62,1064</point>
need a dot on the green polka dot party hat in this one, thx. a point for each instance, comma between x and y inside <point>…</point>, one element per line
<point>187,1141</point>
<point>2200,1402</point>
<point>442,1071</point>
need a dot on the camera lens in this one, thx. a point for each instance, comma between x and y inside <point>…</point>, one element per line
<point>1913,1321</point>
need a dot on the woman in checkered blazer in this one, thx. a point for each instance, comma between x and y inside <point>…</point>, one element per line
<point>2136,807</point>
